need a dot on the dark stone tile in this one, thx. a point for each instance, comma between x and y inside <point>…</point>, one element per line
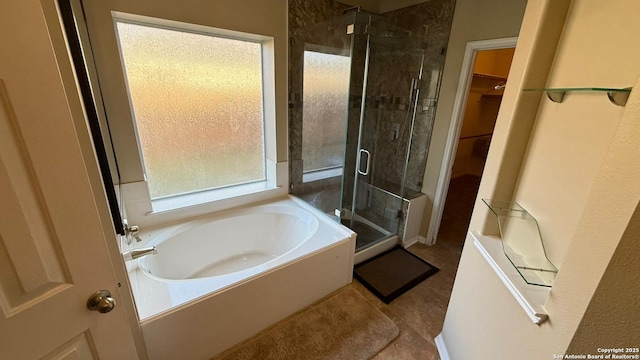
<point>389,79</point>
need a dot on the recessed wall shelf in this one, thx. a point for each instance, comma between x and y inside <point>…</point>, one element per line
<point>616,96</point>
<point>522,243</point>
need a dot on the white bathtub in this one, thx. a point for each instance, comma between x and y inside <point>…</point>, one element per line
<point>221,278</point>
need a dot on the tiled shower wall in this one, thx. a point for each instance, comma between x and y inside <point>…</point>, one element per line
<point>387,122</point>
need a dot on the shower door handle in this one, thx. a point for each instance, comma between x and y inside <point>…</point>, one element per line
<point>366,171</point>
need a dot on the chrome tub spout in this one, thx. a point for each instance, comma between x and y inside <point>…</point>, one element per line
<point>138,253</point>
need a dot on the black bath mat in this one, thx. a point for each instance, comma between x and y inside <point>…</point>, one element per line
<point>392,273</point>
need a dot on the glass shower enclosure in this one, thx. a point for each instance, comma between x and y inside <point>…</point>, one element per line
<point>362,101</point>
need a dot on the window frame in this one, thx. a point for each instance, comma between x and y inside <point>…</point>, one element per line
<point>216,197</point>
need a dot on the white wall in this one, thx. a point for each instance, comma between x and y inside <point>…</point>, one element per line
<point>570,140</point>
<point>616,300</point>
<point>572,165</point>
<point>473,20</point>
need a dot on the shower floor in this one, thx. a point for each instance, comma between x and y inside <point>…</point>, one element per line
<point>328,199</point>
<point>367,235</point>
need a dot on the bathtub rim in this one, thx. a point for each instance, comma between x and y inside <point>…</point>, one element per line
<point>246,280</point>
<point>134,271</point>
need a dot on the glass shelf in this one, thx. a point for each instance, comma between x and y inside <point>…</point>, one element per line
<point>522,242</point>
<point>617,96</point>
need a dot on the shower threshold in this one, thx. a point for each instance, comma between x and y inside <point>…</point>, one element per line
<point>367,234</point>
<point>371,239</point>
<point>376,248</point>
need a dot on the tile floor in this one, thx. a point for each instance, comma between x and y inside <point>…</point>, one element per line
<point>419,313</point>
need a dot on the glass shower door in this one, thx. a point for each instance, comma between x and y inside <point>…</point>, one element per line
<point>355,92</point>
<point>393,75</point>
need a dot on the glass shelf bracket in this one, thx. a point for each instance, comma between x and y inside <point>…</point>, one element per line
<point>617,97</point>
<point>522,243</point>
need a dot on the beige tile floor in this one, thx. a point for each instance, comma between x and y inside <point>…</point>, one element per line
<point>419,313</point>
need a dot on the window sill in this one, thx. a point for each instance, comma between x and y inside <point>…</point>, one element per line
<point>202,197</point>
<point>145,213</point>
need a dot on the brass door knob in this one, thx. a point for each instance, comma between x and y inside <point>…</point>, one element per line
<point>101,302</point>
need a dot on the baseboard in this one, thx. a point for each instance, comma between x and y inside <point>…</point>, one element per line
<point>442,347</point>
<point>415,239</point>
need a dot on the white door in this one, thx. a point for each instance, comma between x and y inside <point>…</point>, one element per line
<point>53,251</point>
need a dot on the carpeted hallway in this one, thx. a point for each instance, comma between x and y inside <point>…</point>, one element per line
<point>417,314</point>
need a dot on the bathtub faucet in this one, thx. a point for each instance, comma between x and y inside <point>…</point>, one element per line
<point>138,253</point>
<point>131,232</point>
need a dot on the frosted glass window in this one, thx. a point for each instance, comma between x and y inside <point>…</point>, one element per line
<point>197,103</point>
<point>325,95</point>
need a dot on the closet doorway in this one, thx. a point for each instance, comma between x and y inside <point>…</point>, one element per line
<point>490,73</point>
<point>482,82</point>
